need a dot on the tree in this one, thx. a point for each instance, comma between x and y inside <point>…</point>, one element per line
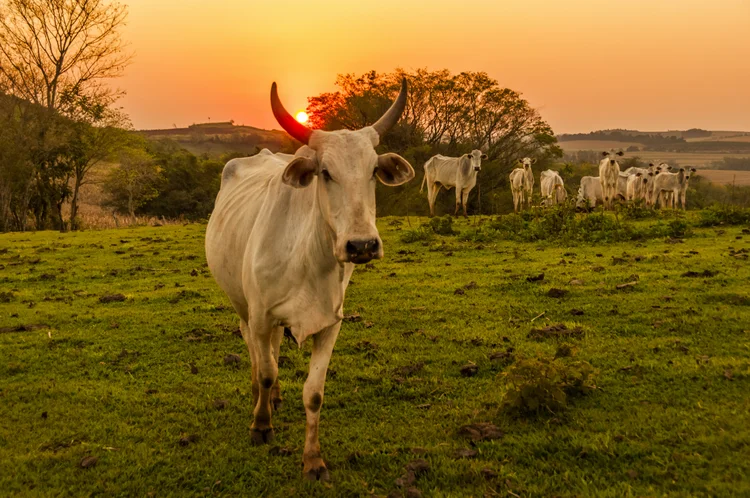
<point>446,113</point>
<point>56,56</point>
<point>134,181</point>
<point>54,50</point>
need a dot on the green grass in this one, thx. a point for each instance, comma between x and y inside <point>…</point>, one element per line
<point>671,415</point>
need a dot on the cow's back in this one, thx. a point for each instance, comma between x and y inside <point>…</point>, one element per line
<point>245,184</point>
<point>443,169</point>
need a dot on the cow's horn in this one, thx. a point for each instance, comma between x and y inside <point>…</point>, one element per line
<point>286,120</point>
<point>392,115</point>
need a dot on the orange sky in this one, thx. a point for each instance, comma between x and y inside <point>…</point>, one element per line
<point>585,64</point>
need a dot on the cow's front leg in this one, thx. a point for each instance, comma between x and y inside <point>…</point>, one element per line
<point>312,397</point>
<point>465,201</point>
<point>266,373</point>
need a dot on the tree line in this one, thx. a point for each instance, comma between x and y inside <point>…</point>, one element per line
<point>446,113</point>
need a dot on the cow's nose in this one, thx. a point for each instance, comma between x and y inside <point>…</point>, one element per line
<point>362,251</point>
<point>612,162</point>
<point>477,169</point>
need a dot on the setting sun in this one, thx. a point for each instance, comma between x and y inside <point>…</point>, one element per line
<point>302,117</point>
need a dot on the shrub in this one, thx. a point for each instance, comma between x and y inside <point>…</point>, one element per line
<point>638,211</point>
<point>417,235</point>
<point>442,225</point>
<point>723,215</point>
<point>480,234</point>
<point>537,385</point>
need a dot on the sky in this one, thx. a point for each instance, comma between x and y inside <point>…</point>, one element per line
<point>584,64</point>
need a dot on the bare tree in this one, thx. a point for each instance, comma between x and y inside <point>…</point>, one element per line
<point>58,55</point>
<point>52,51</point>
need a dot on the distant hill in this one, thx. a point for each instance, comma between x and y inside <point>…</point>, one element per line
<point>693,141</point>
<point>217,139</point>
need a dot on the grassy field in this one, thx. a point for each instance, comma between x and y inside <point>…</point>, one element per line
<point>136,395</point>
<point>726,176</point>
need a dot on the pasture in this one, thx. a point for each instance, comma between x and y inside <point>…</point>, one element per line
<point>698,159</point>
<point>121,372</point>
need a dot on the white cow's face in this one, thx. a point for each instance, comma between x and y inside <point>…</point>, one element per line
<point>526,163</point>
<point>689,172</point>
<point>476,157</point>
<point>345,167</point>
<point>612,156</point>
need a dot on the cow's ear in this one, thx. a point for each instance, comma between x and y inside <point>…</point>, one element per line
<point>520,161</point>
<point>300,172</point>
<point>393,170</point>
<point>651,164</point>
<point>484,158</point>
<point>693,170</point>
<point>605,154</point>
<point>533,161</point>
<point>621,153</point>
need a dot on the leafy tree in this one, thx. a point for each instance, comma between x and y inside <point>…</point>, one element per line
<point>446,113</point>
<point>134,182</point>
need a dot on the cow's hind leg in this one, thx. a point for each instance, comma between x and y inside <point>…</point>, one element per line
<point>432,192</point>
<point>276,400</point>
<point>266,373</point>
<point>312,397</point>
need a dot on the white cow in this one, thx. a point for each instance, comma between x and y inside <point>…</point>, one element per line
<point>553,188</point>
<point>622,186</point>
<point>671,188</point>
<point>522,183</point>
<point>589,192</point>
<point>636,189</point>
<point>683,192</point>
<point>668,187</point>
<point>459,172</point>
<point>282,243</point>
<point>609,171</point>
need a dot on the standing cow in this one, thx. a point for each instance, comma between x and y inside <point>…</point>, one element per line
<point>589,192</point>
<point>459,172</point>
<point>552,187</point>
<point>282,243</point>
<point>609,173</point>
<point>522,183</point>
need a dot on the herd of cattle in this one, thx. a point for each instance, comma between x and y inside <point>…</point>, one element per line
<point>656,185</point>
<point>287,230</point>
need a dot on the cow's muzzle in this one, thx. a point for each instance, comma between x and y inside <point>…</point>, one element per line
<point>477,169</point>
<point>362,251</point>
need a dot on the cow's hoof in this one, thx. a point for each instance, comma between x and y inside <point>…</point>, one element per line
<point>277,404</point>
<point>317,474</point>
<point>261,436</point>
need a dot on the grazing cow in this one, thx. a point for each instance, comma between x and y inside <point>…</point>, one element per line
<point>522,183</point>
<point>609,171</point>
<point>282,243</point>
<point>553,188</point>
<point>460,172</point>
<point>590,192</point>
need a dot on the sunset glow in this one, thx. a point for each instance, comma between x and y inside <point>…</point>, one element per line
<point>585,64</point>
<point>301,117</point>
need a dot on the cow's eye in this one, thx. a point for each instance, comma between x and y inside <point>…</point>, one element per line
<point>326,175</point>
